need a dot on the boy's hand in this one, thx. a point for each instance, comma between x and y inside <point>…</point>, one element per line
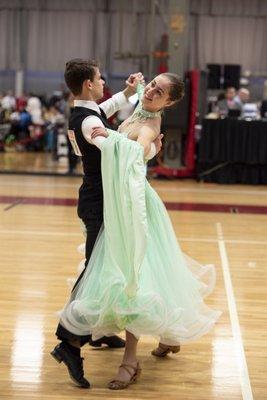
<point>98,131</point>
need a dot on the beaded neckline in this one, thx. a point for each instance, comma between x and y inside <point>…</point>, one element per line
<point>140,113</point>
<point>149,114</point>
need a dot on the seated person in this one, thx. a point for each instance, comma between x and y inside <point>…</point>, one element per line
<point>243,96</point>
<point>250,111</point>
<point>53,120</point>
<point>19,128</point>
<point>228,103</point>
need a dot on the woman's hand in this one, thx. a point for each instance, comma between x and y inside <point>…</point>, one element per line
<point>99,131</point>
<point>134,79</point>
<point>132,82</point>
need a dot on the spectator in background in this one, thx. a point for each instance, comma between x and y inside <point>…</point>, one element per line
<point>59,100</point>
<point>34,107</point>
<point>243,96</point>
<point>19,129</point>
<point>8,102</point>
<point>228,103</point>
<point>21,102</point>
<point>53,118</point>
<point>249,110</point>
<point>8,106</point>
<point>2,112</point>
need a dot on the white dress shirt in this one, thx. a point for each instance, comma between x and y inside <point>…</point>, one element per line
<point>110,107</point>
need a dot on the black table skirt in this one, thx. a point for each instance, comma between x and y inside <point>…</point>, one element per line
<point>233,151</point>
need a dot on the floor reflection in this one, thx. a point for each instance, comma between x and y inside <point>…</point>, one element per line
<point>27,349</point>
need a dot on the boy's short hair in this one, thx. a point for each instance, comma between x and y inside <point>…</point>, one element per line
<point>77,71</point>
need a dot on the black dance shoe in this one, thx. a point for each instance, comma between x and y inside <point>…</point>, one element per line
<point>114,342</point>
<point>73,362</point>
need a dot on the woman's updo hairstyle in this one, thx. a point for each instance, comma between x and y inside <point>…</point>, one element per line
<point>176,91</point>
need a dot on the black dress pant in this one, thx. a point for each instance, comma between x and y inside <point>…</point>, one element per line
<point>91,213</point>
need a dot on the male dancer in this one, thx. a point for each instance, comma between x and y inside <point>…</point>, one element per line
<point>84,80</point>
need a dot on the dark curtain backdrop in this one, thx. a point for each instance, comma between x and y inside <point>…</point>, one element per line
<point>228,32</point>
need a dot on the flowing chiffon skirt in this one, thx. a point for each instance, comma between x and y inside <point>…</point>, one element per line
<point>137,277</point>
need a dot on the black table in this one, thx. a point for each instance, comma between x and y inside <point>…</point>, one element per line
<point>233,151</point>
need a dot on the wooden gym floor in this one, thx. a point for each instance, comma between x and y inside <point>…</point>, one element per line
<point>39,235</point>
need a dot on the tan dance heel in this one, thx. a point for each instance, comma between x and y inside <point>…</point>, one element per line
<point>134,373</point>
<point>162,350</point>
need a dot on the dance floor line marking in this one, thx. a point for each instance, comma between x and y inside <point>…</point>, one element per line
<point>76,185</point>
<point>80,234</point>
<point>14,204</point>
<point>171,206</point>
<point>237,336</point>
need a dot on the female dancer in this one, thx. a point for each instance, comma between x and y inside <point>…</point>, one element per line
<point>138,279</point>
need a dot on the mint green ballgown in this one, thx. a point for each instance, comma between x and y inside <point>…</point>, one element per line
<point>137,277</point>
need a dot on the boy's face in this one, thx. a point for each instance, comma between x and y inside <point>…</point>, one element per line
<point>97,86</point>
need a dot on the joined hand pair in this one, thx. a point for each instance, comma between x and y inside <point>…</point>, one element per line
<point>132,82</point>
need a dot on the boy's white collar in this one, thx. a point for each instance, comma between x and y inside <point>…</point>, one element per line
<point>87,104</point>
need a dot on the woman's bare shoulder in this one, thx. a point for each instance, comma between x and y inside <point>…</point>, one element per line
<point>154,123</point>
